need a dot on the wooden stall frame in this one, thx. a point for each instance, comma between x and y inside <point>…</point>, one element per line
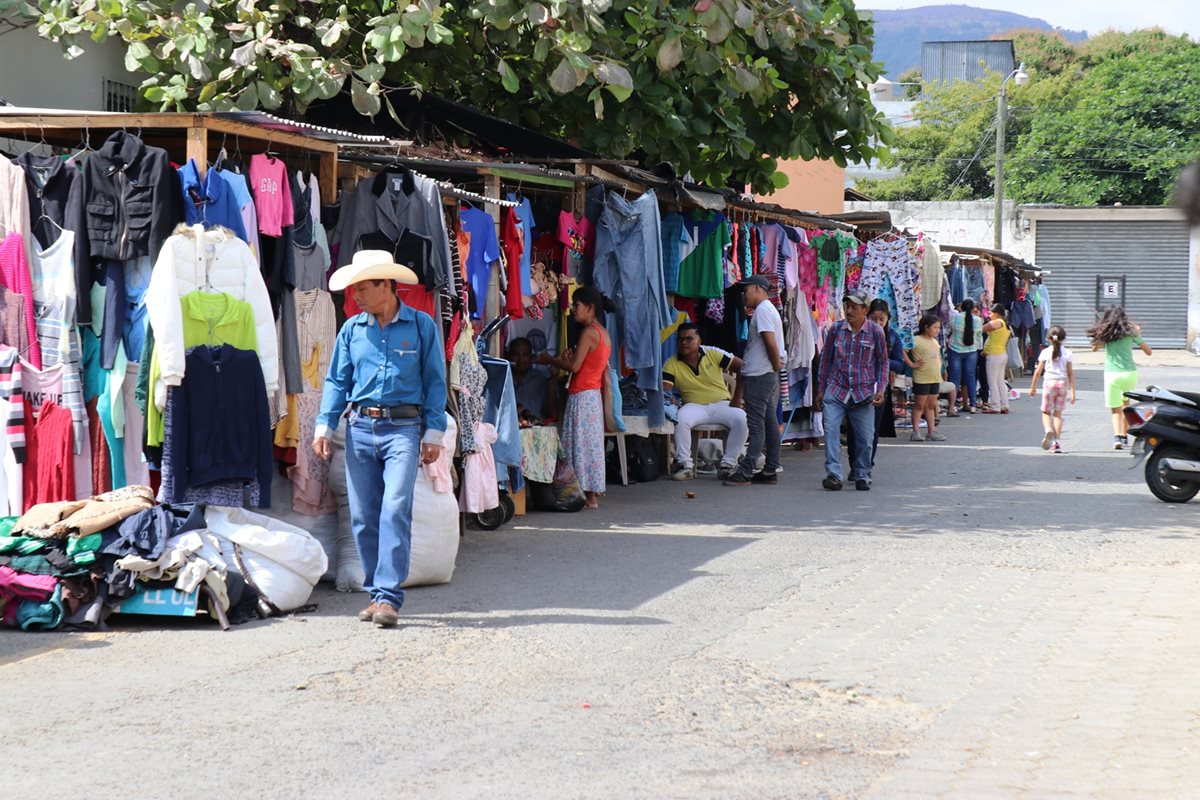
<point>195,128</point>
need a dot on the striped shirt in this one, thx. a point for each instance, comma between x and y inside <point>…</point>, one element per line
<point>10,390</point>
<point>854,366</point>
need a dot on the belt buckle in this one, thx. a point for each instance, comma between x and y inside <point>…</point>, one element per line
<point>374,412</point>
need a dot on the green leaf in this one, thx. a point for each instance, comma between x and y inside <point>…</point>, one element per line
<point>622,93</point>
<point>372,72</point>
<point>613,74</point>
<point>134,55</point>
<point>332,34</point>
<point>670,53</point>
<point>508,78</point>
<point>564,79</point>
<point>268,95</point>
<point>439,33</point>
<point>364,101</point>
<point>248,99</point>
<point>780,180</point>
<point>244,56</point>
<point>536,13</point>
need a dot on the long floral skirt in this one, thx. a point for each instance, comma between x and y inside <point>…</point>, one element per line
<point>583,438</point>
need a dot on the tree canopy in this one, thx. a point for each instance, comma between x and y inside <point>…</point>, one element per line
<point>1111,120</point>
<point>720,88</point>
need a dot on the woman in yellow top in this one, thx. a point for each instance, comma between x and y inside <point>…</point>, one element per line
<point>995,351</point>
<point>927,378</point>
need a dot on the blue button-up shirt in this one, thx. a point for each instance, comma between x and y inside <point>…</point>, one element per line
<point>399,364</point>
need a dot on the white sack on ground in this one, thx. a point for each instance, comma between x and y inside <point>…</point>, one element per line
<point>283,560</point>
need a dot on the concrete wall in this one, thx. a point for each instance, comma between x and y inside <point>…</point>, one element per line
<point>33,72</point>
<point>818,186</point>
<point>968,223</point>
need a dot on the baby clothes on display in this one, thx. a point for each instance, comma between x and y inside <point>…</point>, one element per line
<point>893,261</point>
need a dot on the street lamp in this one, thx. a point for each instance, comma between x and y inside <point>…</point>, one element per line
<point>1021,77</point>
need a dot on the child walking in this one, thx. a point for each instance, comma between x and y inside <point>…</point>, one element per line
<point>1056,363</point>
<point>927,378</point>
<point>1116,335</point>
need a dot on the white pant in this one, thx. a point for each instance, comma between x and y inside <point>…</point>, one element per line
<point>997,365</point>
<point>693,414</point>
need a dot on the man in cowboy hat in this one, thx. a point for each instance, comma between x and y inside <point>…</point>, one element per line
<point>387,365</point>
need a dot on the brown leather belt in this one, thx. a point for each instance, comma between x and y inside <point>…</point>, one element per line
<point>384,412</point>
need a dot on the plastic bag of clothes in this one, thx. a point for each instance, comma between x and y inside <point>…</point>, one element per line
<point>282,561</point>
<point>564,494</point>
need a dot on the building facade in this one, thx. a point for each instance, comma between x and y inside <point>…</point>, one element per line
<point>34,73</point>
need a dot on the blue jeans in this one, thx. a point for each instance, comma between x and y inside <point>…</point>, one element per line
<point>960,369</point>
<point>382,457</point>
<point>862,423</point>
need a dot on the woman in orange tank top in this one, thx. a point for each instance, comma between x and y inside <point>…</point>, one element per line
<point>583,420</point>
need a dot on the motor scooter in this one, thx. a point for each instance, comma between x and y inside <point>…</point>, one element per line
<point>1166,426</point>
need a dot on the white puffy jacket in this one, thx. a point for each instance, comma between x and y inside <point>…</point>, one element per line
<point>216,261</point>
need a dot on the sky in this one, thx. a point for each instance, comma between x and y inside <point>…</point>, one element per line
<point>1093,16</point>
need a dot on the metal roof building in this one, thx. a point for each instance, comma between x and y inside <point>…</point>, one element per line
<point>951,62</point>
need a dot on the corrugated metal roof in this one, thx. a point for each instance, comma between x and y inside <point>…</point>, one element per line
<point>264,120</point>
<point>951,62</point>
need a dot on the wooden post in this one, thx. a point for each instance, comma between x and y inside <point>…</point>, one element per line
<point>327,175</point>
<point>197,146</point>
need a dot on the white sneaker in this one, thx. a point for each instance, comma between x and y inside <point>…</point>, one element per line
<point>683,474</point>
<point>937,437</point>
<point>1047,440</point>
<point>916,437</point>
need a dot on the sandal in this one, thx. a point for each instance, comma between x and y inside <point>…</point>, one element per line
<point>987,410</point>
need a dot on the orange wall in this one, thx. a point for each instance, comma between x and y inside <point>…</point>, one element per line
<point>813,186</point>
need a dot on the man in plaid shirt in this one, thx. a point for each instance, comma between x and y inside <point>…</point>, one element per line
<point>853,379</point>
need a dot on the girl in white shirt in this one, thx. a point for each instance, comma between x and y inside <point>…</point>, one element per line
<point>1055,362</point>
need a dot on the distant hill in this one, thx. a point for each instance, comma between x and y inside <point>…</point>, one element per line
<point>899,34</point>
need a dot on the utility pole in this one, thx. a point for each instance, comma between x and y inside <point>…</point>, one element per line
<point>1022,78</point>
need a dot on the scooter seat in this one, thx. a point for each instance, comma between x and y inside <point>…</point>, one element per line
<point>1192,396</point>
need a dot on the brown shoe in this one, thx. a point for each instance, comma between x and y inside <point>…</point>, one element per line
<point>368,613</point>
<point>385,615</point>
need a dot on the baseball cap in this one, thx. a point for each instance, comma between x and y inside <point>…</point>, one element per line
<point>856,299</point>
<point>760,281</point>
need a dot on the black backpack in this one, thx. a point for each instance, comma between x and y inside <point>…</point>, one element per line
<point>644,462</point>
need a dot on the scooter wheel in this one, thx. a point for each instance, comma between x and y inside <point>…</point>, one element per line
<point>1164,488</point>
<point>510,507</point>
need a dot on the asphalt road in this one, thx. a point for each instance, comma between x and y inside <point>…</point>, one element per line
<point>990,621</point>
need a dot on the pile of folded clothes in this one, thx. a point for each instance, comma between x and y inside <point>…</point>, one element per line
<point>68,565</point>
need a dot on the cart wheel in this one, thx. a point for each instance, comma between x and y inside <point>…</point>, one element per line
<point>491,519</point>
<point>510,508</point>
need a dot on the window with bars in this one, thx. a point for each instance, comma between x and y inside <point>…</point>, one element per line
<point>120,97</point>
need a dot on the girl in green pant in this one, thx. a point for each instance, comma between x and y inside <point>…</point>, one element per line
<point>1116,335</point>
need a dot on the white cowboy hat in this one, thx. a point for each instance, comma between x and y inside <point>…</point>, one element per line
<point>371,265</point>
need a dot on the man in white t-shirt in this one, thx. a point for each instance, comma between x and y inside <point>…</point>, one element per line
<point>758,384</point>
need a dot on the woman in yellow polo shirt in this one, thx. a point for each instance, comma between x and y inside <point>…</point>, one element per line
<point>995,352</point>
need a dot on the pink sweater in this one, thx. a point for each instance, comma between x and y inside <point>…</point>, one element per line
<point>14,273</point>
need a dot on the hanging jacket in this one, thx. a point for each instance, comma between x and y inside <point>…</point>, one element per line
<point>212,261</point>
<point>130,201</point>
